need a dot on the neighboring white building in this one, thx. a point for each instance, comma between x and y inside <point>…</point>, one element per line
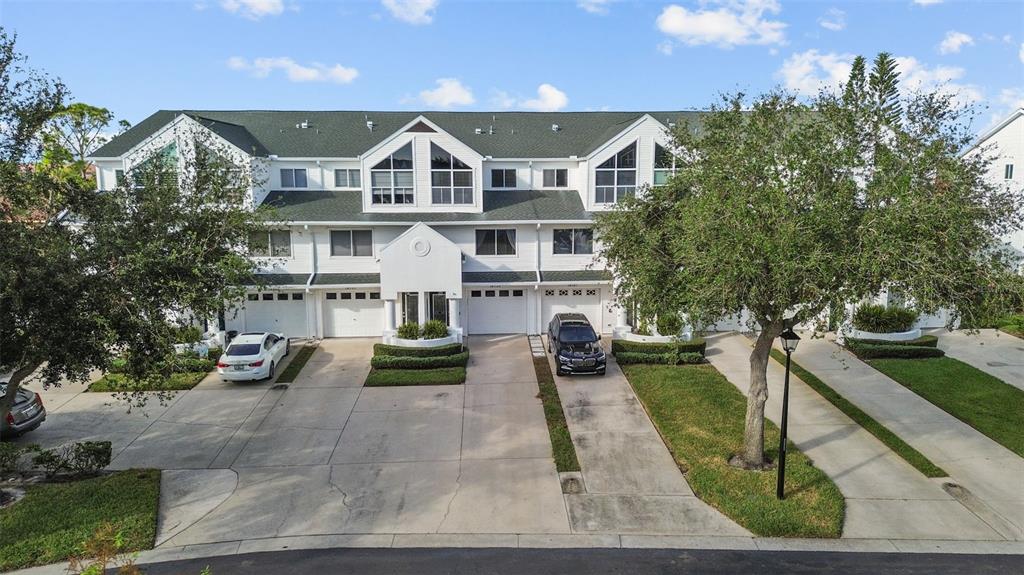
<point>1006,143</point>
<point>482,220</point>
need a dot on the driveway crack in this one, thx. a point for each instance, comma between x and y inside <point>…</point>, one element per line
<point>448,510</point>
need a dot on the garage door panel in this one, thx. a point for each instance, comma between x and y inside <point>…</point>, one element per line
<point>572,300</point>
<point>283,312</point>
<point>497,310</point>
<point>353,314</point>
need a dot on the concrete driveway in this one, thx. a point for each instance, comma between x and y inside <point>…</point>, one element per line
<point>998,354</point>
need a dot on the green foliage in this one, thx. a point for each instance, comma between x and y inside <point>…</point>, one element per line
<point>86,457</point>
<point>923,341</point>
<point>412,362</point>
<point>409,330</point>
<point>12,456</point>
<point>883,89</point>
<point>122,383</point>
<point>883,319</point>
<point>398,377</point>
<point>434,329</point>
<point>670,358</point>
<point>558,430</point>
<point>51,522</point>
<point>669,323</point>
<point>695,345</point>
<point>402,351</point>
<point>873,351</point>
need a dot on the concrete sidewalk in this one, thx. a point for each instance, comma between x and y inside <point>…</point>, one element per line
<point>885,496</point>
<point>992,474</point>
<point>997,354</point>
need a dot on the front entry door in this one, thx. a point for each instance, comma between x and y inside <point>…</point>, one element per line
<point>410,307</point>
<point>438,304</point>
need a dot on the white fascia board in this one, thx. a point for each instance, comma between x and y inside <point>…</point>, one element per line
<point>981,140</point>
<point>314,159</point>
<point>496,284</point>
<point>432,224</point>
<point>616,137</point>
<point>406,127</point>
<point>576,283</point>
<point>344,286</point>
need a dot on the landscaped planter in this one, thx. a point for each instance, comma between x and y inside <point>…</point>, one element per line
<point>630,336</point>
<point>895,336</point>
<point>452,337</point>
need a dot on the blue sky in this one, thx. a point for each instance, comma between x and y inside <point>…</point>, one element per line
<point>137,57</point>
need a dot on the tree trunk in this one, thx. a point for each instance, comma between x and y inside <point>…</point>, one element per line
<point>753,433</point>
<point>13,385</point>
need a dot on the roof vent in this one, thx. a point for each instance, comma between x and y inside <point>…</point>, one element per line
<point>555,127</point>
<point>478,131</point>
<point>369,125</point>
<point>304,125</point>
<point>490,129</point>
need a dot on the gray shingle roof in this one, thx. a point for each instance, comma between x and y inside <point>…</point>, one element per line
<point>346,206</point>
<point>498,277</point>
<point>281,279</point>
<point>344,134</point>
<point>575,276</point>
<point>346,279</point>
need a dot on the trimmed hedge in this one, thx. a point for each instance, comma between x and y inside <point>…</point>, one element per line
<point>179,364</point>
<point>670,358</point>
<point>923,341</point>
<point>883,319</point>
<point>412,362</point>
<point>400,351</point>
<point>869,351</point>
<point>696,345</point>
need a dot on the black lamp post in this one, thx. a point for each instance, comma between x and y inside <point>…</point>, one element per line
<point>789,340</point>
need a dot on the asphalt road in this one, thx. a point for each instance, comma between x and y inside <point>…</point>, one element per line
<point>586,562</point>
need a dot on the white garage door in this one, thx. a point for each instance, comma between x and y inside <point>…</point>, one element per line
<point>353,314</point>
<point>497,310</point>
<point>572,300</point>
<point>277,312</point>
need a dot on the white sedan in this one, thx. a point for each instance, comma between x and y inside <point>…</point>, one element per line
<point>253,356</point>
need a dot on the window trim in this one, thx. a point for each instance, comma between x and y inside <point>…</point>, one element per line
<point>617,196</point>
<point>280,177</point>
<point>504,178</point>
<point>555,170</point>
<point>655,169</point>
<point>451,187</point>
<point>270,245</point>
<point>391,171</point>
<point>348,178</point>
<point>330,242</point>
<point>593,242</point>
<point>515,242</point>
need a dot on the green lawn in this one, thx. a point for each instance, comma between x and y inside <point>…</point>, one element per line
<point>890,439</point>
<point>438,376</point>
<point>118,382</point>
<point>986,403</point>
<point>701,416</point>
<point>53,519</point>
<point>291,371</point>
<point>561,441</point>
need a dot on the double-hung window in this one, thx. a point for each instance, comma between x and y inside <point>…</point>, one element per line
<point>496,242</point>
<point>451,180</point>
<point>616,177</point>
<point>503,178</point>
<point>391,179</point>
<point>273,243</point>
<point>664,165</point>
<point>357,243</point>
<point>293,178</point>
<point>1008,172</point>
<point>346,178</point>
<point>556,178</point>
<point>573,241</point>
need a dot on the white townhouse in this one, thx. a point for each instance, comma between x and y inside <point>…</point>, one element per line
<point>481,220</point>
<point>1005,142</point>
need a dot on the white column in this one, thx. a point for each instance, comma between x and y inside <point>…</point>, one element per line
<point>453,313</point>
<point>422,307</point>
<point>389,315</point>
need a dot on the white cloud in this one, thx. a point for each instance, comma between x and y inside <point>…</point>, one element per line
<point>253,9</point>
<point>501,100</point>
<point>809,72</point>
<point>834,19</point>
<point>732,23</point>
<point>594,6</point>
<point>549,99</point>
<point>1021,53</point>
<point>915,75</point>
<point>449,93</point>
<point>412,11</point>
<point>295,72</point>
<point>927,2</point>
<point>953,41</point>
<point>666,47</point>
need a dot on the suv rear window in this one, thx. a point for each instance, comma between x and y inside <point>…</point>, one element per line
<point>576,333</point>
<point>244,349</point>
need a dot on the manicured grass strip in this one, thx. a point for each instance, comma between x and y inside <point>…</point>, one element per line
<point>890,439</point>
<point>701,416</point>
<point>439,376</point>
<point>52,520</point>
<point>291,371</point>
<point>986,403</point>
<point>113,382</point>
<point>558,430</point>
<point>1013,332</point>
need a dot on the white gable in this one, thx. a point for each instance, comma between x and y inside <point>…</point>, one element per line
<point>421,260</point>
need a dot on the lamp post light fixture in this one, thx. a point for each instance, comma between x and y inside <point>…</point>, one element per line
<point>789,340</point>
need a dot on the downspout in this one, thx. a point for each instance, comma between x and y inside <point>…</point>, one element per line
<point>531,174</point>
<point>536,286</point>
<point>317,312</point>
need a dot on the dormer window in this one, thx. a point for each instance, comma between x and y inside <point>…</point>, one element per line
<point>293,178</point>
<point>664,165</point>
<point>451,180</point>
<point>391,179</point>
<point>616,177</point>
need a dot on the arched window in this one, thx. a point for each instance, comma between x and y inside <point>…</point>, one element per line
<point>616,177</point>
<point>391,179</point>
<point>664,165</point>
<point>451,180</point>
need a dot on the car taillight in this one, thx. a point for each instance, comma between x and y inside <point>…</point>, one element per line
<point>221,364</point>
<point>256,363</point>
<point>39,399</point>
<point>10,418</point>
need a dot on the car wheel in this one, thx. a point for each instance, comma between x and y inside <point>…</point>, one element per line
<point>601,372</point>
<point>287,349</point>
<point>270,374</point>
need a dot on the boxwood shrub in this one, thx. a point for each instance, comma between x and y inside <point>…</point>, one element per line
<point>434,329</point>
<point>923,341</point>
<point>696,345</point>
<point>412,362</point>
<point>409,330</point>
<point>873,351</point>
<point>669,358</point>
<point>883,319</point>
<point>401,351</point>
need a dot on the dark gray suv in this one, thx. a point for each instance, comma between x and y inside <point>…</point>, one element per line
<point>575,345</point>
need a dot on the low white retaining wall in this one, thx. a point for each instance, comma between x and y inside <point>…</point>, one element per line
<point>896,336</point>
<point>438,342</point>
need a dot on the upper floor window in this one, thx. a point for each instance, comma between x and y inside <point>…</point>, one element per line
<point>616,177</point>
<point>273,243</point>
<point>351,243</point>
<point>451,180</point>
<point>346,178</point>
<point>556,178</point>
<point>573,241</point>
<point>118,177</point>
<point>496,242</point>
<point>1008,172</point>
<point>293,178</point>
<point>664,165</point>
<point>503,178</point>
<point>391,179</point>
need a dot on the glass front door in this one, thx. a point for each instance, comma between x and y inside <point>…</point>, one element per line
<point>410,307</point>
<point>438,304</point>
